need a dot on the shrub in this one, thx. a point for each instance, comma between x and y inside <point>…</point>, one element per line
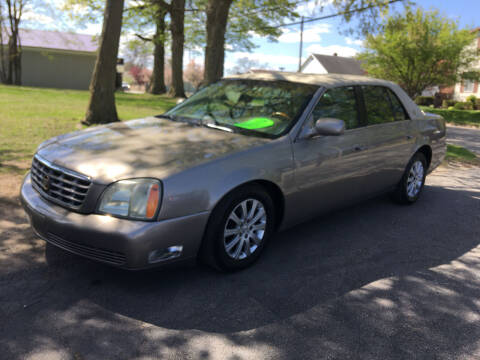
<point>472,99</point>
<point>450,108</point>
<point>464,106</point>
<point>448,103</point>
<point>477,104</point>
<point>424,100</point>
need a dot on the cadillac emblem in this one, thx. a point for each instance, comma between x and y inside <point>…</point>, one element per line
<point>45,183</point>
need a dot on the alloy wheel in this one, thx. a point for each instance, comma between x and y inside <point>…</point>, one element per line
<point>245,229</point>
<point>415,179</point>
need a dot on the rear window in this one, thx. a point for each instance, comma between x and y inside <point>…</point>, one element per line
<point>378,105</point>
<point>399,112</point>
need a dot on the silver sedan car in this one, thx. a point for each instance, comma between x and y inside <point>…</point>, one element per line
<point>217,175</point>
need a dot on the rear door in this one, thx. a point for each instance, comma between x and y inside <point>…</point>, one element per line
<point>331,171</point>
<point>391,133</point>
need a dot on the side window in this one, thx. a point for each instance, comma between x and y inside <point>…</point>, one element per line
<point>339,103</point>
<point>398,110</point>
<point>378,105</point>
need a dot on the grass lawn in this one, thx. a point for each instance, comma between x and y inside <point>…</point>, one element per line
<point>457,117</point>
<point>461,154</point>
<point>29,116</point>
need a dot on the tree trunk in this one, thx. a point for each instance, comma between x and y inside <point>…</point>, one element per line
<point>177,15</point>
<point>101,108</point>
<point>217,16</point>
<point>158,76</point>
<point>3,59</point>
<point>11,56</point>
<point>17,65</point>
<point>14,75</point>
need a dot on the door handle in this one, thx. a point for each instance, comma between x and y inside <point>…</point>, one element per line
<point>360,148</point>
<point>409,137</point>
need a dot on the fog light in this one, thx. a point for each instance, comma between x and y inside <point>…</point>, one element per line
<point>171,252</point>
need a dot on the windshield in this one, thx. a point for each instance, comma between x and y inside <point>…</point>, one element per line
<point>252,107</point>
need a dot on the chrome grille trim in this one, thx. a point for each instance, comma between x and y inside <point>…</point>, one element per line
<point>62,186</point>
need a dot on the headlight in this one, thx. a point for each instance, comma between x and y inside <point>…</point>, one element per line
<point>134,199</point>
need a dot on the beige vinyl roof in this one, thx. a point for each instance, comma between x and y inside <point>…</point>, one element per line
<point>334,80</point>
<point>325,80</point>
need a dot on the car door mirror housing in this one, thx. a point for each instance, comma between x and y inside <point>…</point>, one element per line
<point>327,127</point>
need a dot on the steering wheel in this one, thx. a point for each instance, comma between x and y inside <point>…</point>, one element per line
<point>280,114</point>
<point>236,111</point>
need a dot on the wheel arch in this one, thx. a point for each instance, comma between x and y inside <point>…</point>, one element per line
<point>271,188</point>
<point>427,151</point>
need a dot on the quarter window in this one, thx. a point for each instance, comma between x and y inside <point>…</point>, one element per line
<point>339,103</point>
<point>398,110</point>
<point>378,105</point>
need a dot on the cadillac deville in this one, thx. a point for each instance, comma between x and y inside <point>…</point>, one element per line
<point>217,175</point>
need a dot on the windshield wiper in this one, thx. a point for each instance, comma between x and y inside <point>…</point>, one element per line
<point>218,127</point>
<point>165,116</point>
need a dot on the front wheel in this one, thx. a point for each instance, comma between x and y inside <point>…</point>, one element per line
<point>410,187</point>
<point>239,229</point>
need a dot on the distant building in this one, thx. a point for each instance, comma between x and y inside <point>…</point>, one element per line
<point>57,59</point>
<point>466,87</point>
<point>327,64</point>
<point>463,89</point>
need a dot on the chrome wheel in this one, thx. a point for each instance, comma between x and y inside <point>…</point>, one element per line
<point>245,229</point>
<point>415,179</point>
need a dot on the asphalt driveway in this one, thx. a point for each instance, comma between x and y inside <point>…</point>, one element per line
<point>466,137</point>
<point>374,281</point>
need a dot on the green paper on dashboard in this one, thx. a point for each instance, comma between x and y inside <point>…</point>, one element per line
<point>255,123</point>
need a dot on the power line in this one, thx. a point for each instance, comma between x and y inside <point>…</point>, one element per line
<point>303,21</point>
<point>337,14</point>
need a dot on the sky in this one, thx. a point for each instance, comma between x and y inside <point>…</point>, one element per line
<point>323,37</point>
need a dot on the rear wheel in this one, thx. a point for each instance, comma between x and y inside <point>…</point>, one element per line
<point>239,229</point>
<point>410,187</point>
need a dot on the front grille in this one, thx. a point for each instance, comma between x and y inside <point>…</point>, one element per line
<point>62,186</point>
<point>91,252</point>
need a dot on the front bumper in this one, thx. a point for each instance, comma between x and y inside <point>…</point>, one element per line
<point>119,242</point>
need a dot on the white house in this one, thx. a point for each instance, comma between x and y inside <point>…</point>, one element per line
<point>465,88</point>
<point>328,64</point>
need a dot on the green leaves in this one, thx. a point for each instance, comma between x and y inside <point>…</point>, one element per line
<point>419,49</point>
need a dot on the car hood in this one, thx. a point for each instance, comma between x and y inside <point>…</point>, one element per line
<point>150,147</point>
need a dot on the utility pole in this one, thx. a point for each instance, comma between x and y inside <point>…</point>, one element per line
<point>301,45</point>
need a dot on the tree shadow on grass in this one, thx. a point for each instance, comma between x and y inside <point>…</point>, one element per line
<point>373,281</point>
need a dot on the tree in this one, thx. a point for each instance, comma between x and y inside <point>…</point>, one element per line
<point>101,108</point>
<point>140,17</point>
<point>14,12</point>
<point>217,16</point>
<point>176,10</point>
<point>418,50</point>
<point>245,64</point>
<point>366,12</point>
<point>232,23</point>
<point>158,76</point>
<point>3,36</point>
<point>193,74</point>
<point>177,24</point>
<point>138,52</point>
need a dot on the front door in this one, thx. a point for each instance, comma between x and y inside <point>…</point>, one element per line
<point>331,171</point>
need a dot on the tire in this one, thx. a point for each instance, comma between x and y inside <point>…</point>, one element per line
<point>229,245</point>
<point>411,185</point>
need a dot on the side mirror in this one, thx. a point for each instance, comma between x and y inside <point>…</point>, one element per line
<point>328,127</point>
